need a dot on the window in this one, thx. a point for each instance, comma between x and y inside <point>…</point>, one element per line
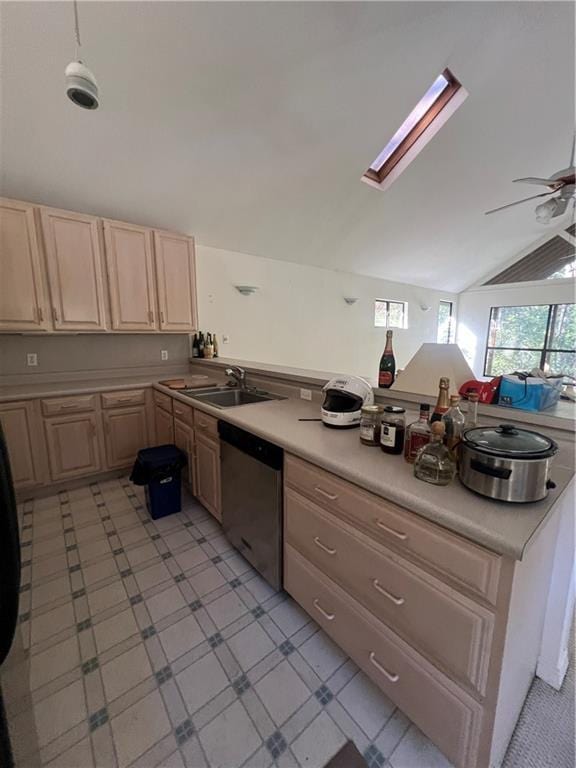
<point>537,336</point>
<point>422,123</point>
<point>390,314</point>
<point>445,333</point>
<point>551,260</point>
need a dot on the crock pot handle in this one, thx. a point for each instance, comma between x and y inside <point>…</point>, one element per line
<point>550,484</point>
<point>484,469</point>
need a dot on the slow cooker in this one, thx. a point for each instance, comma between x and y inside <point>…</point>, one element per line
<point>507,463</point>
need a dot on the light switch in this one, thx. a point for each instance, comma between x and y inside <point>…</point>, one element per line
<point>306,394</point>
<point>32,358</point>
<point>225,338</point>
<point>164,354</point>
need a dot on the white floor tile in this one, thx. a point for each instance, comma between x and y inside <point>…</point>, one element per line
<point>201,681</point>
<point>47,592</point>
<point>282,692</point>
<point>230,738</point>
<point>417,751</point>
<point>139,727</point>
<point>190,558</point>
<point>289,617</point>
<point>50,623</point>
<point>322,654</point>
<point>165,603</point>
<point>152,576</point>
<point>114,630</point>
<point>105,597</point>
<point>366,704</point>
<point>250,645</point>
<point>226,609</point>
<point>207,581</point>
<point>125,672</point>
<point>55,661</point>
<point>179,638</point>
<point>58,713</point>
<point>319,742</point>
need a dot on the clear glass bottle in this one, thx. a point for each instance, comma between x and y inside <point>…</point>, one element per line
<point>472,412</point>
<point>418,434</point>
<point>434,463</point>
<point>453,421</point>
<point>370,419</point>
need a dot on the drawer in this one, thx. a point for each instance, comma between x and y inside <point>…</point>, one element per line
<point>183,412</point>
<point>163,401</point>
<point>451,629</point>
<point>447,715</point>
<point>123,398</point>
<point>205,423</point>
<point>468,565</point>
<point>73,404</point>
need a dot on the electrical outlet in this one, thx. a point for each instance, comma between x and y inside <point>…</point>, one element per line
<point>164,354</point>
<point>225,338</point>
<point>31,358</point>
<point>306,394</point>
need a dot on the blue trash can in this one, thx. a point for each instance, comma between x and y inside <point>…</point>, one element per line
<point>159,470</point>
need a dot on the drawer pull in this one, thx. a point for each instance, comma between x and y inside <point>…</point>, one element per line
<point>398,534</point>
<point>69,405</point>
<point>323,546</point>
<point>324,493</point>
<point>329,616</point>
<point>379,588</point>
<point>390,675</point>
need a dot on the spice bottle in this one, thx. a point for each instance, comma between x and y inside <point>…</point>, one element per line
<point>393,429</point>
<point>370,418</point>
<point>418,434</point>
<point>434,463</point>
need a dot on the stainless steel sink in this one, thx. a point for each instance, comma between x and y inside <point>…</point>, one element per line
<point>225,397</point>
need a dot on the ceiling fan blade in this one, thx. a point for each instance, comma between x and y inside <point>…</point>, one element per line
<point>524,200</point>
<point>536,180</point>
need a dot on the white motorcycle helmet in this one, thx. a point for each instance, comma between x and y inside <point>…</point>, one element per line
<point>344,397</point>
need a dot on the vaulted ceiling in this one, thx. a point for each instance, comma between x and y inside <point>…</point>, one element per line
<point>250,125</point>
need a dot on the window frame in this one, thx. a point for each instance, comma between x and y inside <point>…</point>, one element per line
<point>404,314</point>
<point>451,329</point>
<point>427,119</point>
<point>545,350</point>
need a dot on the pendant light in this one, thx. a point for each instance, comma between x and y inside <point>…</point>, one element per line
<point>81,85</point>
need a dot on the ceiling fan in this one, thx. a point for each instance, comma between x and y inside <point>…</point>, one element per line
<point>562,182</point>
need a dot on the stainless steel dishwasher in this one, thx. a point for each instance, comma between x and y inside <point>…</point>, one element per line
<point>251,477</point>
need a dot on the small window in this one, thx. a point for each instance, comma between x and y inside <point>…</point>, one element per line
<point>427,117</point>
<point>390,314</point>
<point>535,336</point>
<point>445,333</point>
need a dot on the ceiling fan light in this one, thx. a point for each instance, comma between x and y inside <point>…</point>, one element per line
<point>545,211</point>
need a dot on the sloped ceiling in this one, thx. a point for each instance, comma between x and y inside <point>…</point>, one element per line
<point>250,124</point>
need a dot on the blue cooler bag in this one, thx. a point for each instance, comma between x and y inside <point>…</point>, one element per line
<point>529,394</point>
<point>159,470</point>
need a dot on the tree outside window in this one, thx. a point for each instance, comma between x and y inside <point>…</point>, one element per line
<point>390,314</point>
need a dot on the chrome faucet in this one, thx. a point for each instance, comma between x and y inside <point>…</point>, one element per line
<point>237,375</point>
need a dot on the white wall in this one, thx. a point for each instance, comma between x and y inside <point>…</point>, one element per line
<point>474,311</point>
<point>299,317</point>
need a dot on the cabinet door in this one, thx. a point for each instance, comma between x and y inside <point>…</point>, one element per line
<point>176,276</point>
<point>164,426</point>
<point>125,433</point>
<point>131,276</point>
<point>23,298</point>
<point>73,445</point>
<point>208,474</point>
<point>25,445</point>
<point>184,439</point>
<point>75,270</point>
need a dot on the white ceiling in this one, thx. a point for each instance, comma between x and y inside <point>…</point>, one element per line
<point>250,124</point>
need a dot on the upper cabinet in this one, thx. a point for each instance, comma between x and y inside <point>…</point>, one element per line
<point>75,270</point>
<point>131,279</point>
<point>176,276</point>
<point>23,298</point>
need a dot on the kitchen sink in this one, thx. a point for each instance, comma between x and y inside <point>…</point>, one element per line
<point>224,397</point>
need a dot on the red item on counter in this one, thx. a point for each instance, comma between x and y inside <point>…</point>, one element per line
<point>487,390</point>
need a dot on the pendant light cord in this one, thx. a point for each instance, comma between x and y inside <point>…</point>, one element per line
<point>77,29</point>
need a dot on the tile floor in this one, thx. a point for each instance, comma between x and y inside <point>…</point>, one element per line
<point>153,643</point>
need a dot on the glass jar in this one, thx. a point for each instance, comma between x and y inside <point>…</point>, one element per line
<point>370,418</point>
<point>393,429</point>
<point>434,463</point>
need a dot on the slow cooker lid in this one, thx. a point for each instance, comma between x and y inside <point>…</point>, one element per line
<point>337,401</point>
<point>508,440</point>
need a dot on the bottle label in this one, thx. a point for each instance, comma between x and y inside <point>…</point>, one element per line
<point>367,431</point>
<point>385,379</point>
<point>388,435</point>
<point>416,443</point>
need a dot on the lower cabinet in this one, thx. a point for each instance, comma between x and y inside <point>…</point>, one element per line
<point>184,439</point>
<point>21,425</point>
<point>164,426</point>
<point>208,474</point>
<point>125,433</point>
<point>73,445</point>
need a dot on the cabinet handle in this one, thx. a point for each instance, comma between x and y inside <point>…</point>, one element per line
<point>392,676</point>
<point>161,316</point>
<point>150,316</point>
<point>54,314</point>
<point>379,588</point>
<point>40,314</point>
<point>329,616</point>
<point>323,546</point>
<point>398,534</point>
<point>324,493</point>
<point>63,406</point>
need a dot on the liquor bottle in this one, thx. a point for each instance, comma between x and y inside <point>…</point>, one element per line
<point>387,370</point>
<point>418,434</point>
<point>443,402</point>
<point>472,412</point>
<point>434,463</point>
<point>453,421</point>
<point>208,347</point>
<point>195,352</point>
<point>201,345</point>
<point>215,344</point>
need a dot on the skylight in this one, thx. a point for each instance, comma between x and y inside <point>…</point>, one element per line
<point>422,123</point>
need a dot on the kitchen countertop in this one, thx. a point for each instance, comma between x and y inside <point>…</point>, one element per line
<point>500,527</point>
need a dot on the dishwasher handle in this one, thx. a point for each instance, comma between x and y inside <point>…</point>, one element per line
<point>254,446</point>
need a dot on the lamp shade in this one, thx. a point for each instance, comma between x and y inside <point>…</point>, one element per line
<point>432,361</point>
